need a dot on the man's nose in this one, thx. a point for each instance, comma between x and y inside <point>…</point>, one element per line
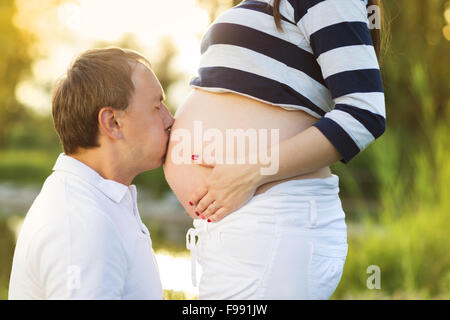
<point>170,120</point>
<point>167,118</point>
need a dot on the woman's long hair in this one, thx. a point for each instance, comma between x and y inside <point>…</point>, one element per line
<point>378,38</point>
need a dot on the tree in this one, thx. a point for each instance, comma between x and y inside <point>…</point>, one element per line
<point>15,62</point>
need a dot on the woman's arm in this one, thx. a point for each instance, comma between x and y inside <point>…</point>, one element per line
<point>305,152</point>
<point>231,186</point>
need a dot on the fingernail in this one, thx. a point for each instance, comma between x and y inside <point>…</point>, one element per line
<point>194,157</point>
<point>191,203</point>
<point>203,217</point>
<point>209,220</point>
<point>197,213</point>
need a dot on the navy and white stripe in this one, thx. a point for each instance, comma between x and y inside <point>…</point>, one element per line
<point>323,62</point>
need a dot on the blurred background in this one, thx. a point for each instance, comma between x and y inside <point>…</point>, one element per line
<point>396,193</point>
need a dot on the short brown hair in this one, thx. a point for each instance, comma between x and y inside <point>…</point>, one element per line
<point>97,78</point>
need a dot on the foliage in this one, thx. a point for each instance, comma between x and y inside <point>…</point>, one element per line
<point>26,166</point>
<point>409,240</point>
<point>15,62</point>
<point>174,295</point>
<point>7,244</point>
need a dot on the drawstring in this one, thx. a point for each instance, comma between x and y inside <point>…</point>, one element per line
<point>192,246</point>
<point>312,213</point>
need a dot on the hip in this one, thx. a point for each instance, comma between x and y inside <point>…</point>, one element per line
<point>290,242</point>
<point>307,206</point>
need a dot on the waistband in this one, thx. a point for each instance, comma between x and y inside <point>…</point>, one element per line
<point>314,187</point>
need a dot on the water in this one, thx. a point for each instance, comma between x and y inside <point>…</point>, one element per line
<point>16,199</point>
<point>175,272</point>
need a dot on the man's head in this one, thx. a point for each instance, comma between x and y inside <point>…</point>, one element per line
<point>110,100</point>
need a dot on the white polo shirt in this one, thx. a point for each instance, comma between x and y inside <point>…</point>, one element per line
<point>83,238</point>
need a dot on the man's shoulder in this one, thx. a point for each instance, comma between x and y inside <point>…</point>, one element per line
<point>66,201</point>
<point>63,191</point>
<point>49,203</point>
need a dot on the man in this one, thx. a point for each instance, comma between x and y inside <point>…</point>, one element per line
<point>83,237</point>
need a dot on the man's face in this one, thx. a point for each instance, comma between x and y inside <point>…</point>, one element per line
<point>146,121</point>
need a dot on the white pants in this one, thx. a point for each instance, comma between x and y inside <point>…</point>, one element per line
<point>289,242</point>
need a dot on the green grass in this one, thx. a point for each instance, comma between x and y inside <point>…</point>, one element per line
<point>26,166</point>
<point>173,295</point>
<point>412,253</point>
<point>3,294</point>
<point>409,238</point>
<point>7,245</point>
<point>34,166</point>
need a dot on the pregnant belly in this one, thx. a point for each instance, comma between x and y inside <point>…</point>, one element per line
<point>204,114</point>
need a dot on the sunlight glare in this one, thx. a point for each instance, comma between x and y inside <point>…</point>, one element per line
<point>175,272</point>
<point>30,94</point>
<point>447,15</point>
<point>65,30</point>
<point>147,20</point>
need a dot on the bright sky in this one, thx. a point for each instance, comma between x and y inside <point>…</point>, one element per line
<point>64,30</point>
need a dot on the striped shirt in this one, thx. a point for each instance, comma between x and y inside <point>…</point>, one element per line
<point>323,62</point>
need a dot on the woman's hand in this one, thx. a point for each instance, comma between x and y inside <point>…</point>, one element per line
<point>228,188</point>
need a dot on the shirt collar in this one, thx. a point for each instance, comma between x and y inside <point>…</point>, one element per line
<point>110,188</point>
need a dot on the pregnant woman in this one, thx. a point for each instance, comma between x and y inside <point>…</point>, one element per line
<point>300,78</point>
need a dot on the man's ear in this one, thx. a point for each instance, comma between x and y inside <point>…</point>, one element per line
<point>108,123</point>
